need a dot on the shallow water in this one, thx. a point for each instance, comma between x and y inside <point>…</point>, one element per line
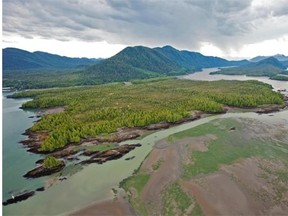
<point>16,161</point>
<point>204,75</point>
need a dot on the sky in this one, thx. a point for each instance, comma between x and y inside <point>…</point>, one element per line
<point>233,29</point>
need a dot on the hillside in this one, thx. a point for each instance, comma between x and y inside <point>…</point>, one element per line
<point>270,67</point>
<point>142,62</point>
<point>195,60</point>
<point>279,57</point>
<point>132,63</point>
<point>17,59</point>
<point>40,70</point>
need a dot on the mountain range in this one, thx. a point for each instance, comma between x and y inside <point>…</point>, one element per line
<point>22,69</point>
<point>279,57</point>
<point>17,59</point>
<point>270,67</point>
<point>141,62</point>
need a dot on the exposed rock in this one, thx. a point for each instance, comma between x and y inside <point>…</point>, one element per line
<point>192,118</point>
<point>130,158</point>
<point>40,161</point>
<point>42,171</point>
<point>62,178</point>
<point>34,140</point>
<point>90,152</point>
<point>23,196</point>
<point>40,189</point>
<point>64,153</point>
<point>270,109</point>
<point>111,154</point>
<point>72,158</point>
<point>161,125</point>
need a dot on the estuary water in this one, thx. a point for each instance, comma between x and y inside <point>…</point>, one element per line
<point>94,182</point>
<point>204,75</point>
<point>16,161</point>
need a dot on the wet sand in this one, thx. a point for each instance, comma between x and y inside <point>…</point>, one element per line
<point>119,207</point>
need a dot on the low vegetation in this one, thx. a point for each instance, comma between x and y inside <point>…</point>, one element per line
<point>280,77</point>
<point>177,202</point>
<point>50,162</point>
<point>134,186</point>
<point>229,147</point>
<point>91,111</point>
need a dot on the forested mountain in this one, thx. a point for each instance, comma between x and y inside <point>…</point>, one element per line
<point>142,62</point>
<point>285,63</point>
<point>270,67</point>
<point>132,63</point>
<point>23,69</point>
<point>17,59</point>
<point>279,57</point>
<point>195,60</point>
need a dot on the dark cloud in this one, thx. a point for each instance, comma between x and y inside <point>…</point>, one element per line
<point>184,24</point>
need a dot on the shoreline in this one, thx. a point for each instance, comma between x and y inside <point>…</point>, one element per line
<point>153,128</point>
<point>123,134</point>
<point>100,203</point>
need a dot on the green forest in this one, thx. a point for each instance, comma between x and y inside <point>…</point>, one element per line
<point>91,111</point>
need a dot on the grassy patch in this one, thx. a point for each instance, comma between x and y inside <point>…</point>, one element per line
<point>176,201</point>
<point>197,211</point>
<point>50,162</point>
<point>229,147</point>
<point>132,183</point>
<point>157,165</point>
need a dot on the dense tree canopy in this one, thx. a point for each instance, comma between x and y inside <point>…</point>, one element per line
<point>94,110</point>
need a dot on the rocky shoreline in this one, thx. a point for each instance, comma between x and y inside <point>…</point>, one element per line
<point>111,154</point>
<point>43,171</point>
<point>71,151</point>
<point>18,198</point>
<point>122,134</point>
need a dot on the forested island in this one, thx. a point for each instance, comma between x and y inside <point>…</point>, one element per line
<point>100,110</point>
<point>269,67</point>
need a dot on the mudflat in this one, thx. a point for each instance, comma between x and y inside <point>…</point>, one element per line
<point>225,167</point>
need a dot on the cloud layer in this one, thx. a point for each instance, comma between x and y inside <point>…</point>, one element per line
<point>185,24</point>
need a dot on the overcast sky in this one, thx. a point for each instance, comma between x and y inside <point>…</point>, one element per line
<point>101,28</point>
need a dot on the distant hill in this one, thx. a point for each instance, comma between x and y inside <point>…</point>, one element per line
<point>270,67</point>
<point>142,62</point>
<point>132,63</point>
<point>279,57</point>
<point>37,70</point>
<point>194,60</point>
<point>17,59</point>
<point>285,63</point>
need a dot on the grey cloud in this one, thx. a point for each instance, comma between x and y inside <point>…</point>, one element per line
<point>184,24</point>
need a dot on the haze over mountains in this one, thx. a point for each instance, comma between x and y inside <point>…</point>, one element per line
<point>279,57</point>
<point>23,69</point>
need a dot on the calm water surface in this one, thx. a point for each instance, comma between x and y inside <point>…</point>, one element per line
<point>94,182</point>
<point>16,161</point>
<point>204,75</point>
